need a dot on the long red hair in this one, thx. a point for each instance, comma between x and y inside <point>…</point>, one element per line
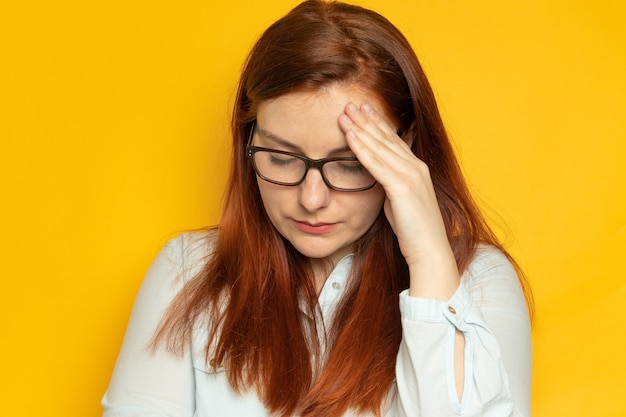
<point>255,285</point>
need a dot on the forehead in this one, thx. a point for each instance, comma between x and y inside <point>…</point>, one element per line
<point>320,102</point>
<point>309,119</point>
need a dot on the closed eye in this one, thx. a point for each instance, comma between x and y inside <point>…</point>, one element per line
<point>281,159</point>
<point>352,167</point>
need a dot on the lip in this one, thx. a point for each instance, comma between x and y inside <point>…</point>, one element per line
<point>315,229</point>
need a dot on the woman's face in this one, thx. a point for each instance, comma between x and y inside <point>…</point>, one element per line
<point>320,223</point>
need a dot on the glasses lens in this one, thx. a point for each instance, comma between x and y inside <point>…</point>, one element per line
<point>276,167</point>
<point>279,167</point>
<point>347,175</point>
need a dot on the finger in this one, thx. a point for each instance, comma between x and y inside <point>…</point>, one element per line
<point>367,119</point>
<point>397,173</point>
<point>375,146</point>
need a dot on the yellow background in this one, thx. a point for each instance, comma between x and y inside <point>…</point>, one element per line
<point>113,129</point>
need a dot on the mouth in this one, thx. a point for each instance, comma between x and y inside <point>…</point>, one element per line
<point>315,228</point>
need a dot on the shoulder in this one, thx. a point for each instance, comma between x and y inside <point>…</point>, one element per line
<point>488,258</point>
<point>492,275</point>
<point>190,251</point>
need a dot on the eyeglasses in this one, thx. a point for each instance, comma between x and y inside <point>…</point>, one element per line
<point>288,168</point>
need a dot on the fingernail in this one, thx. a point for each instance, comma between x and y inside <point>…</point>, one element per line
<point>353,108</point>
<point>367,108</point>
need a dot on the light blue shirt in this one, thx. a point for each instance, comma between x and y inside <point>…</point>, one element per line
<point>488,307</point>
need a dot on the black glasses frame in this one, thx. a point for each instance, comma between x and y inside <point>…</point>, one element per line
<point>309,163</point>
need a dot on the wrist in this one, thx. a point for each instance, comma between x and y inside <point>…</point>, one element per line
<point>434,276</point>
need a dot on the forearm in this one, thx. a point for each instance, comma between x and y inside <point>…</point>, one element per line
<point>492,375</point>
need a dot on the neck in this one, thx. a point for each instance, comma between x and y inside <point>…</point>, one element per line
<point>321,270</point>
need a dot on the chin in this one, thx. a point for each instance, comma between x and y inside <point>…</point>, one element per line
<point>314,253</point>
<point>319,250</point>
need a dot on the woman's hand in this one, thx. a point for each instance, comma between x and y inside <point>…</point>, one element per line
<point>410,206</point>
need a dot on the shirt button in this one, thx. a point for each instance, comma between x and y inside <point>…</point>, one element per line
<point>336,285</point>
<point>451,310</point>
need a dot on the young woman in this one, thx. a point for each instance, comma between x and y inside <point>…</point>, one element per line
<point>351,273</point>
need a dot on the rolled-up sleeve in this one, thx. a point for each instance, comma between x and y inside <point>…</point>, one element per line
<point>490,310</point>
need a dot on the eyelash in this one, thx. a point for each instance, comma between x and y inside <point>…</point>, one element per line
<point>280,161</point>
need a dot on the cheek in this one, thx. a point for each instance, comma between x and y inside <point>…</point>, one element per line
<point>370,204</point>
<point>267,196</point>
<point>275,198</point>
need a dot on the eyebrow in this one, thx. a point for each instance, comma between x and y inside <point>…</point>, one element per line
<point>283,142</point>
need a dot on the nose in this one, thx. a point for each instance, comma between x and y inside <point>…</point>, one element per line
<point>313,193</point>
